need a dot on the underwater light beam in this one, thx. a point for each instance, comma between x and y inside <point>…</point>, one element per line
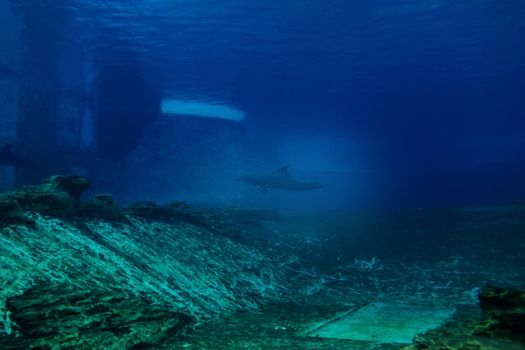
<point>201,109</point>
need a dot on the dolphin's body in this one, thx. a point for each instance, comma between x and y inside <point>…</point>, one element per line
<point>280,180</point>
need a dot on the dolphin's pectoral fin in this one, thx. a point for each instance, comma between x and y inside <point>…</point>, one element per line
<point>263,189</point>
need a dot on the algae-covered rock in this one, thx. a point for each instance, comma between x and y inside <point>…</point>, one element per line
<point>251,216</point>
<point>57,196</point>
<point>499,323</point>
<point>214,220</point>
<point>150,210</point>
<point>104,199</point>
<point>181,265</point>
<point>71,184</point>
<point>504,311</point>
<point>9,207</point>
<point>102,206</point>
<point>12,213</point>
<point>76,280</point>
<point>57,316</point>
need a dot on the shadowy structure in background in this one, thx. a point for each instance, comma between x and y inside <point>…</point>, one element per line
<point>128,101</point>
<point>37,121</point>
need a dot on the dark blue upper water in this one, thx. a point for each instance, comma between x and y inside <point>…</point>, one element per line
<point>392,103</point>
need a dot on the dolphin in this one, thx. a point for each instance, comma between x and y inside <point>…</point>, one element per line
<point>280,180</point>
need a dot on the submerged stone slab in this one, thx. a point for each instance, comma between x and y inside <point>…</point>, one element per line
<point>384,323</point>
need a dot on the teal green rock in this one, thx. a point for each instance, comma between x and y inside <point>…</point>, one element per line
<point>180,267</point>
<point>102,206</point>
<point>497,323</point>
<point>61,316</point>
<point>504,312</point>
<point>57,196</point>
<point>92,275</point>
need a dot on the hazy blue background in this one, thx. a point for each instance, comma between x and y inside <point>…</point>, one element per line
<point>391,103</point>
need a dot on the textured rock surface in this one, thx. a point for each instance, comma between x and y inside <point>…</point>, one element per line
<point>11,212</point>
<point>499,323</point>
<point>94,276</point>
<point>224,221</point>
<point>85,275</point>
<point>102,206</point>
<point>182,266</point>
<point>58,316</point>
<point>58,196</point>
<point>504,312</point>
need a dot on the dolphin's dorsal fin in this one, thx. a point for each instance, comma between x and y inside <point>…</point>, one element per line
<point>283,170</point>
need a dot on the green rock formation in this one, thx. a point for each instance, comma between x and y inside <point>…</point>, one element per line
<point>56,316</point>
<point>57,196</point>
<point>77,269</point>
<point>504,312</point>
<point>92,275</point>
<point>498,323</point>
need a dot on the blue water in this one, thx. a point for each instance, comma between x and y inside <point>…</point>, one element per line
<point>388,103</point>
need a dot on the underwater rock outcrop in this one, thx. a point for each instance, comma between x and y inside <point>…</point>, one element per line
<point>224,221</point>
<point>12,212</point>
<point>498,323</point>
<point>102,206</point>
<point>504,312</point>
<point>57,196</point>
<point>173,212</point>
<point>76,258</point>
<point>57,316</point>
